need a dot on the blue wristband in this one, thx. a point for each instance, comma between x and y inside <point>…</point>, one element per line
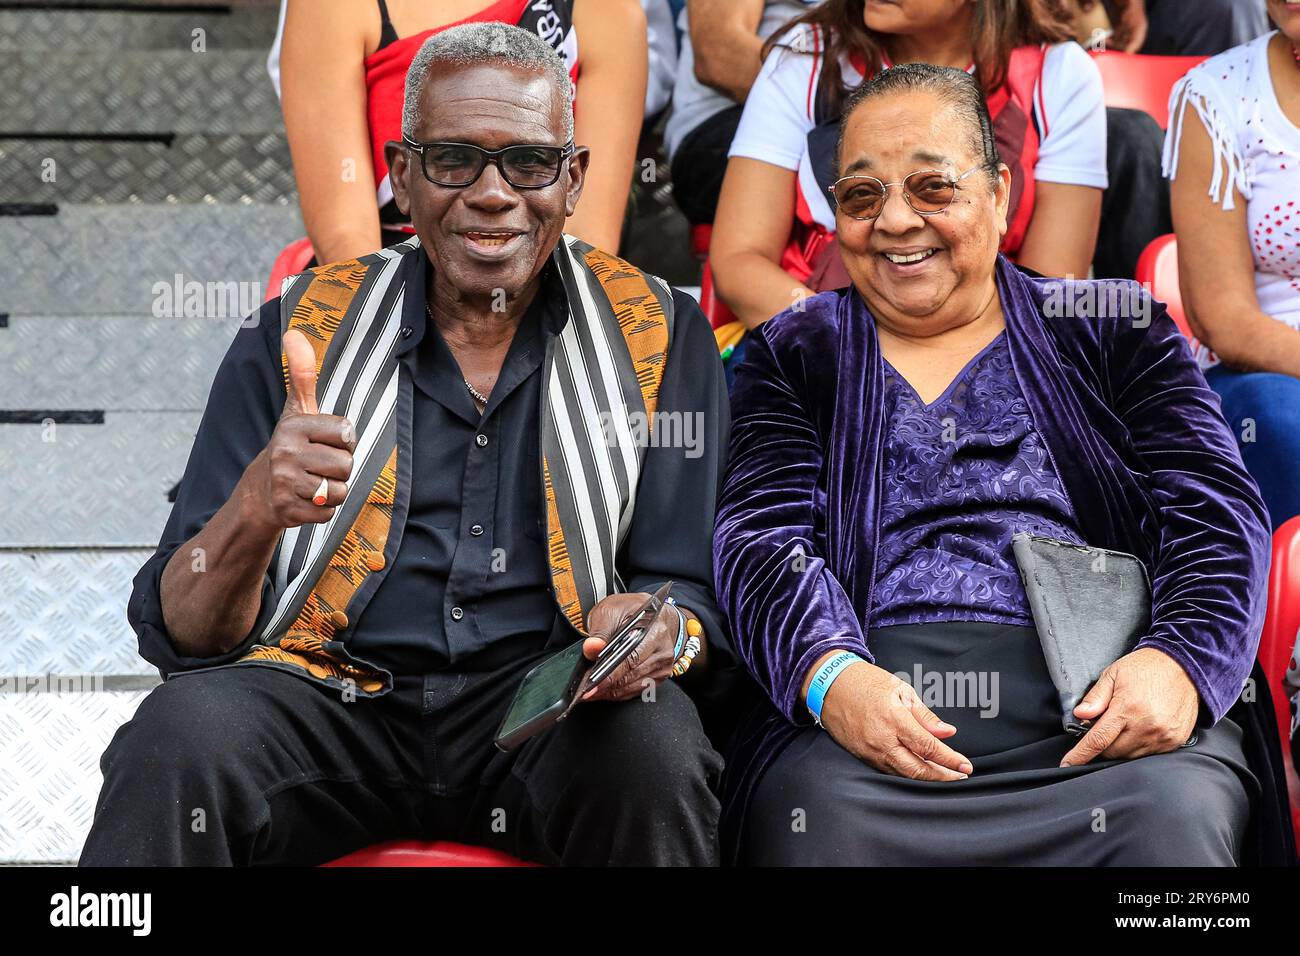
<point>681,628</point>
<point>823,679</point>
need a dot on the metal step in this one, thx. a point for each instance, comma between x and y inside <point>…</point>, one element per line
<point>188,168</point>
<point>241,28</point>
<point>111,363</point>
<point>50,745</point>
<point>64,614</point>
<point>114,260</point>
<point>151,91</point>
<point>92,486</point>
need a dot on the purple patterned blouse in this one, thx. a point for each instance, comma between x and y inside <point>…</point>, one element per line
<point>961,476</point>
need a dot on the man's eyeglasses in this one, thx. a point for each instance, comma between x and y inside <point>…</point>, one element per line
<point>461,164</point>
<point>927,191</point>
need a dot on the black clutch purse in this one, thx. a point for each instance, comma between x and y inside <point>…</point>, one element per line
<point>1091,606</point>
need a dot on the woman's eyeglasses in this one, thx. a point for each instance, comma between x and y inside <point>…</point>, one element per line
<point>461,164</point>
<point>927,191</point>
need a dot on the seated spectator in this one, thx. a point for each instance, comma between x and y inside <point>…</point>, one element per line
<point>1168,27</point>
<point>383,559</point>
<point>721,54</point>
<point>1135,208</point>
<point>775,221</point>
<point>887,442</point>
<point>342,66</point>
<point>1234,157</point>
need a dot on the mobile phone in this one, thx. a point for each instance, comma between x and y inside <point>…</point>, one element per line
<point>543,698</point>
<point>549,690</point>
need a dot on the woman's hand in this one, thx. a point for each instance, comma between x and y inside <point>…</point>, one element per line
<point>880,719</point>
<point>1142,704</point>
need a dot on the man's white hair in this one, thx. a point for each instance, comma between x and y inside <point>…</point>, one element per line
<point>492,43</point>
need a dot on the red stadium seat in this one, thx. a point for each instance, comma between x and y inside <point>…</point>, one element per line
<point>1136,82</point>
<point>1157,270</point>
<point>701,236</point>
<point>291,260</point>
<point>415,853</point>
<point>714,308</point>
<point>1277,642</point>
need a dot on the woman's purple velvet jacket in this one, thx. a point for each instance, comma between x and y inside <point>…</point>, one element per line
<point>1134,433</point>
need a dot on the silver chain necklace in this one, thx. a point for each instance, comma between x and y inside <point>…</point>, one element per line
<point>474,392</point>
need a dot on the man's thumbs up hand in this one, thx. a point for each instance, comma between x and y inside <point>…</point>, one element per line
<point>305,448</point>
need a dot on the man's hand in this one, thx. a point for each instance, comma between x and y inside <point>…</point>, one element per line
<point>880,719</point>
<point>651,662</point>
<point>305,447</point>
<point>1142,704</point>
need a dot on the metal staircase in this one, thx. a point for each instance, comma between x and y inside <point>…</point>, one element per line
<point>131,154</point>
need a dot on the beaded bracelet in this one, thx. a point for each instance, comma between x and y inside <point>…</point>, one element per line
<point>695,632</point>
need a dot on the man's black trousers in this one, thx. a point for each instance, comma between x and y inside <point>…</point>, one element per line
<point>251,765</point>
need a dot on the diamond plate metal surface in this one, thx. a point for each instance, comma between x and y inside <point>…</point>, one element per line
<point>50,745</point>
<point>233,168</point>
<point>93,485</point>
<point>105,90</point>
<point>120,363</point>
<point>106,260</point>
<point>64,612</point>
<point>36,4</point>
<point>250,28</point>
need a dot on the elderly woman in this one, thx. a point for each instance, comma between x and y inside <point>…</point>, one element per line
<point>886,444</point>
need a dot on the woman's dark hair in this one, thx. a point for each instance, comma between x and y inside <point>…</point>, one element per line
<point>1000,26</point>
<point>954,88</point>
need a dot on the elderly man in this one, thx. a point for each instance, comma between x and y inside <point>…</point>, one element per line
<point>495,441</point>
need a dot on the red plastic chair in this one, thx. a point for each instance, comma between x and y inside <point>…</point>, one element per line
<point>1277,642</point>
<point>714,308</point>
<point>1157,270</point>
<point>701,236</point>
<point>415,853</point>
<point>292,259</point>
<point>1137,82</point>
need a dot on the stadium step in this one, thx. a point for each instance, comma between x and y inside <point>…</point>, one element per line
<point>224,27</point>
<point>110,260</point>
<point>50,746</point>
<point>105,91</point>
<point>170,174</point>
<point>247,168</point>
<point>113,363</point>
<point>92,485</point>
<point>78,596</point>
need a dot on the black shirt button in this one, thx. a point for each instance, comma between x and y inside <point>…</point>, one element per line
<point>457,614</point>
<point>406,331</point>
<point>476,530</point>
<point>480,440</point>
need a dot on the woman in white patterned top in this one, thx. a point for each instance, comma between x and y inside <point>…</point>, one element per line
<point>1233,155</point>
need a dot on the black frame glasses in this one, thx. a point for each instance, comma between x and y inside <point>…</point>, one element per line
<point>513,173</point>
<point>926,207</point>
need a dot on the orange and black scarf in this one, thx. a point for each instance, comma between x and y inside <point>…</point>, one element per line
<point>600,388</point>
